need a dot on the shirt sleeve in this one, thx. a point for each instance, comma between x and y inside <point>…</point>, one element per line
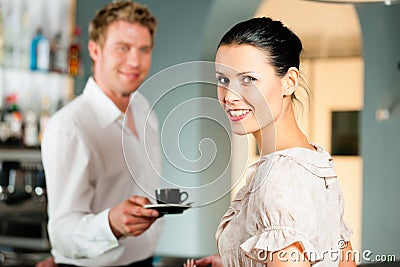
<point>345,231</point>
<point>74,230</point>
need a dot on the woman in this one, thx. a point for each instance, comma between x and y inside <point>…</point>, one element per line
<point>290,211</point>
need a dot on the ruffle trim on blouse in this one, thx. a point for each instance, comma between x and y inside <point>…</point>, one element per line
<point>229,215</point>
<point>275,239</point>
<point>232,211</point>
<point>345,231</point>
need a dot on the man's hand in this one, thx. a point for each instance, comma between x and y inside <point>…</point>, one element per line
<point>130,218</point>
<point>49,262</point>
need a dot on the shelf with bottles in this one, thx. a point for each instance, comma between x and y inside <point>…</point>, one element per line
<point>35,40</point>
<point>27,100</point>
<point>40,35</point>
<point>21,153</point>
<point>53,55</point>
<point>46,56</point>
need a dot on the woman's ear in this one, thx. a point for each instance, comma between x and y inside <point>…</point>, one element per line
<point>290,81</point>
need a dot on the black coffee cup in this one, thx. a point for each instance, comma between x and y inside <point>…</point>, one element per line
<point>171,196</point>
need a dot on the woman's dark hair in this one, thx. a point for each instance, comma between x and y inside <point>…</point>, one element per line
<point>281,45</point>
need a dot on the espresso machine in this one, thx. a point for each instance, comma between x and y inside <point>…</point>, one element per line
<point>23,213</point>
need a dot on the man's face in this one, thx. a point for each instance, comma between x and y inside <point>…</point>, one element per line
<point>123,62</point>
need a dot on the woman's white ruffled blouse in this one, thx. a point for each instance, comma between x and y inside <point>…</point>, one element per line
<point>290,196</point>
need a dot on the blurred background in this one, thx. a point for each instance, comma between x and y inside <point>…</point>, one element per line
<point>351,63</point>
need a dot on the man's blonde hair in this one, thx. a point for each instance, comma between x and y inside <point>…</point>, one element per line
<point>120,10</point>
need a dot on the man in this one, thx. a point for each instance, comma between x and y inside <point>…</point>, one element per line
<point>98,169</point>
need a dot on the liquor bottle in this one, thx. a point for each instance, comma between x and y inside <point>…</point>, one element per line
<point>58,54</point>
<point>25,36</point>
<point>8,15</point>
<point>40,52</point>
<point>43,54</point>
<point>74,54</point>
<point>44,116</point>
<point>4,126</point>
<point>13,118</point>
<point>31,137</point>
<point>34,45</point>
<point>1,36</point>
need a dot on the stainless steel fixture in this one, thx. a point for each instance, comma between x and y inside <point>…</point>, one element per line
<point>23,212</point>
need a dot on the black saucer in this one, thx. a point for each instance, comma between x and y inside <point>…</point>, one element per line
<point>168,208</point>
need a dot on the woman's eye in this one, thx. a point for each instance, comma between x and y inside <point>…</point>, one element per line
<point>223,80</point>
<point>248,80</point>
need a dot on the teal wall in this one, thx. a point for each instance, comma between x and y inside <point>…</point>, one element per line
<point>380,145</point>
<point>188,30</point>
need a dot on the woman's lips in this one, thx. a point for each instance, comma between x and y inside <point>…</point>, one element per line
<point>238,114</point>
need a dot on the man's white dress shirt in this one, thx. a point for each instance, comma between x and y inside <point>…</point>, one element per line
<point>92,163</point>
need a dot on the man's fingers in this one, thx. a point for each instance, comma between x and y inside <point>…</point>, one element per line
<point>139,211</point>
<point>139,200</point>
<point>132,220</point>
<point>138,229</point>
<point>130,217</point>
<point>136,207</point>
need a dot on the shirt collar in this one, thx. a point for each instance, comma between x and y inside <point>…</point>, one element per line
<point>104,108</point>
<point>318,157</point>
<point>319,161</point>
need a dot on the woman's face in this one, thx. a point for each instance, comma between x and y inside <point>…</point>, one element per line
<point>248,88</point>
